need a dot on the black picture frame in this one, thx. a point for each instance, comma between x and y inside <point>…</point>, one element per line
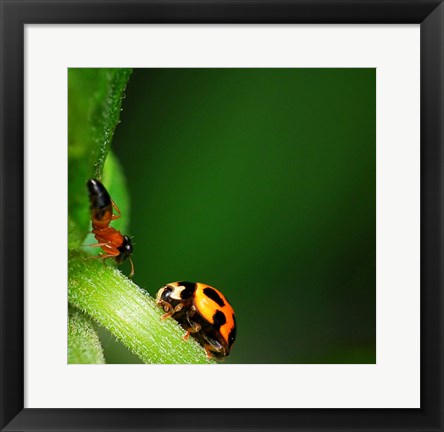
<point>16,13</point>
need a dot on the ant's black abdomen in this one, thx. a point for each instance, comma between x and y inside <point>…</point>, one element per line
<point>99,198</point>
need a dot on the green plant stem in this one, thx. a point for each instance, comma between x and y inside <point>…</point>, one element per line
<point>128,312</point>
<point>83,341</point>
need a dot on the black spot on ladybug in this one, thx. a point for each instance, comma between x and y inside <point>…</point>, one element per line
<point>232,336</point>
<point>219,319</point>
<point>188,291</point>
<point>213,295</point>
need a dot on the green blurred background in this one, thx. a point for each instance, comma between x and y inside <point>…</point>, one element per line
<point>261,183</point>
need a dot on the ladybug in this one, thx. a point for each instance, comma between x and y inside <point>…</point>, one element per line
<point>203,312</point>
<point>111,241</point>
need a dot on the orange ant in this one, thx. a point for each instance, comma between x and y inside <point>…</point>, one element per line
<point>115,244</point>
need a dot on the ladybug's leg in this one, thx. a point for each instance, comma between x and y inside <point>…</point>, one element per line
<point>194,327</point>
<point>167,315</point>
<point>213,346</point>
<point>169,311</point>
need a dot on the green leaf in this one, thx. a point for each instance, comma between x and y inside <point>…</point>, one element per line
<point>83,342</point>
<point>128,312</point>
<point>94,103</point>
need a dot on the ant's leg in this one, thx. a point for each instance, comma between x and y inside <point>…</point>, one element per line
<point>117,216</point>
<point>103,256</point>
<point>111,253</point>
<point>107,247</point>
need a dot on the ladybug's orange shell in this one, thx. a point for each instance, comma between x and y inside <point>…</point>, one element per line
<point>207,306</point>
